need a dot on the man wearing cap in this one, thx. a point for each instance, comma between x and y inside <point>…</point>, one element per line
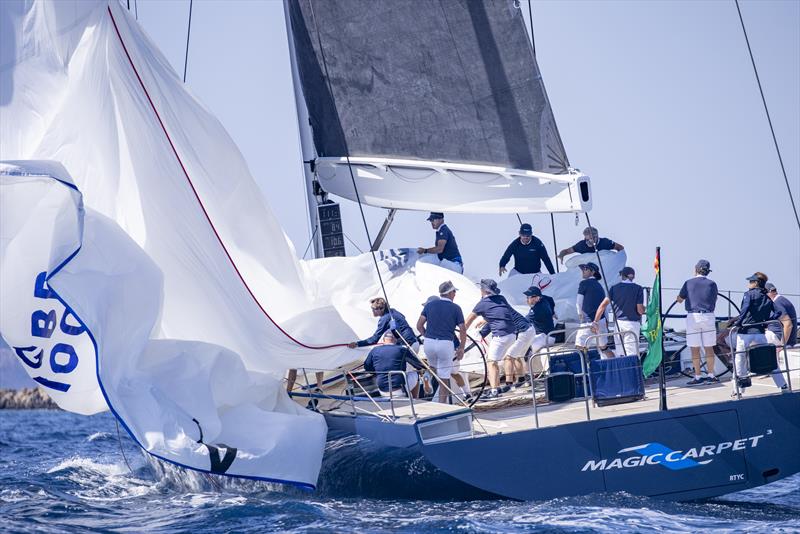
<point>590,295</point>
<point>591,242</point>
<point>388,319</point>
<point>529,252</point>
<point>627,303</point>
<point>700,297</point>
<point>496,311</point>
<point>389,356</point>
<point>540,316</point>
<point>445,248</point>
<point>756,309</point>
<point>439,320</point>
<point>784,311</point>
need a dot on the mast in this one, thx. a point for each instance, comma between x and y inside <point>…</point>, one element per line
<point>314,194</point>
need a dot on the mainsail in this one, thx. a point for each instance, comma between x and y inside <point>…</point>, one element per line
<point>420,97</point>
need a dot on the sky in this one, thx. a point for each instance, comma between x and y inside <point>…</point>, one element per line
<point>655,100</point>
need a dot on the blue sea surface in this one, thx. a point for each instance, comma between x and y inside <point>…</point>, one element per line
<point>61,472</point>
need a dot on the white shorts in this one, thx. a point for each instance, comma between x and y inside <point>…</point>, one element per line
<point>701,330</point>
<point>447,264</point>
<point>440,354</point>
<point>541,341</point>
<point>630,342</point>
<point>775,339</point>
<point>585,330</point>
<point>498,347</point>
<point>413,380</point>
<point>521,344</point>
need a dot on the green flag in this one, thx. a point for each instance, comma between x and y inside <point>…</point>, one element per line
<point>653,329</point>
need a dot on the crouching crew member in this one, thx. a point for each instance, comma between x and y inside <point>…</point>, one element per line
<point>756,308</point>
<point>389,319</point>
<point>438,322</point>
<point>528,251</point>
<point>700,295</point>
<point>786,332</point>
<point>627,303</point>
<point>496,311</point>
<point>445,248</point>
<point>389,356</point>
<point>590,295</point>
<point>591,243</point>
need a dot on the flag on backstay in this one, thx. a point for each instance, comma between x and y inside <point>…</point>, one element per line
<point>653,329</point>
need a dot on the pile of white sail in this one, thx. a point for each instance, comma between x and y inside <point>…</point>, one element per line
<point>142,272</point>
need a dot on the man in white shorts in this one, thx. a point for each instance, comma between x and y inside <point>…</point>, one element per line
<point>438,322</point>
<point>700,297</point>
<point>627,300</point>
<point>590,295</point>
<point>496,310</point>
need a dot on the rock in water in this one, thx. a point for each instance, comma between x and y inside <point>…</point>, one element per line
<point>26,399</point>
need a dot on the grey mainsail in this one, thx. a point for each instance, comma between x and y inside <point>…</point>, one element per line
<point>437,80</point>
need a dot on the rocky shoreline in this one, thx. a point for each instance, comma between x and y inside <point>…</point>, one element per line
<point>26,399</point>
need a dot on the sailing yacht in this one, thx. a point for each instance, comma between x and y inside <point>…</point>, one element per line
<point>142,272</point>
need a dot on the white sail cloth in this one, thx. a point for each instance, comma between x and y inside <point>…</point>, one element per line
<point>187,303</point>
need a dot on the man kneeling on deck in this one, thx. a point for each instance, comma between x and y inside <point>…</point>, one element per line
<point>388,356</point>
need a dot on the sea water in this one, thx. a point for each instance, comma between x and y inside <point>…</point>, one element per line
<point>61,472</point>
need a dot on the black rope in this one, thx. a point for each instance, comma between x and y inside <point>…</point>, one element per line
<point>530,22</point>
<point>136,9</point>
<point>188,32</point>
<point>605,284</point>
<point>555,245</point>
<point>310,241</point>
<point>354,244</point>
<point>766,110</point>
<point>121,449</point>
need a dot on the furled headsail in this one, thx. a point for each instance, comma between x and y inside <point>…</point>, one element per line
<point>429,96</point>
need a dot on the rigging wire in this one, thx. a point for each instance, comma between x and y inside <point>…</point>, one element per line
<point>311,241</point>
<point>188,32</point>
<point>136,9</point>
<point>766,110</point>
<point>122,450</point>
<point>354,244</point>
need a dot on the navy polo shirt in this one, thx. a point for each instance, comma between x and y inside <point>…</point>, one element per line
<point>497,312</point>
<point>602,244</point>
<point>593,294</point>
<point>450,251</point>
<point>624,298</point>
<point>520,322</point>
<point>541,316</point>
<point>756,308</point>
<point>527,258</point>
<point>784,306</point>
<point>384,358</point>
<point>443,316</point>
<point>401,329</point>
<point>700,294</point>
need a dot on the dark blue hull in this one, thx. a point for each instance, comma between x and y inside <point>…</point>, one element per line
<point>682,454</point>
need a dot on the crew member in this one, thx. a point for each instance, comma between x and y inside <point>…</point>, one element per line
<point>515,355</point>
<point>439,320</point>
<point>389,356</point>
<point>496,311</point>
<point>540,316</point>
<point>756,309</point>
<point>389,319</point>
<point>627,303</point>
<point>445,248</point>
<point>700,295</point>
<point>529,252</point>
<point>786,332</point>
<point>591,243</point>
<point>590,295</point>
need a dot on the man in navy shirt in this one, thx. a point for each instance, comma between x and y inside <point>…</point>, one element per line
<point>591,243</point>
<point>627,302</point>
<point>445,248</point>
<point>389,356</point>
<point>389,319</point>
<point>785,312</point>
<point>529,252</point>
<point>540,315</point>
<point>496,311</point>
<point>590,295</point>
<point>700,295</point>
<point>756,309</point>
<point>437,324</point>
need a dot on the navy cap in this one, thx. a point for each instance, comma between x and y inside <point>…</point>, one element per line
<point>525,229</point>
<point>432,298</point>
<point>702,265</point>
<point>769,286</point>
<point>627,271</point>
<point>446,287</point>
<point>489,285</point>
<point>533,291</point>
<point>435,215</point>
<point>752,278</point>
<point>590,266</point>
